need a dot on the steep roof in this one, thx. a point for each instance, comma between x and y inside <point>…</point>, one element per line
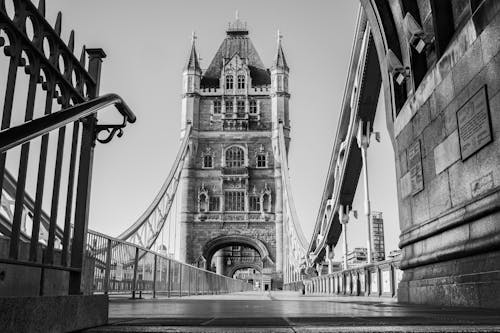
<point>193,62</point>
<point>280,61</point>
<point>236,41</point>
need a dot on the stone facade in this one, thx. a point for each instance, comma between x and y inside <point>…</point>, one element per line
<point>231,179</point>
<point>446,139</point>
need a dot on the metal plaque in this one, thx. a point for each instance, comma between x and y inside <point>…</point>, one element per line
<point>415,166</point>
<point>474,124</point>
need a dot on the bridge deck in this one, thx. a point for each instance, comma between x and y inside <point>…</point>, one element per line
<point>289,312</point>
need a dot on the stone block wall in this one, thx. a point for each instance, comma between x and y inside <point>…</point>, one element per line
<point>450,230</point>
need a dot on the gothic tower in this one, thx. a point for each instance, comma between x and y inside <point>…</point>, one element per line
<point>230,185</point>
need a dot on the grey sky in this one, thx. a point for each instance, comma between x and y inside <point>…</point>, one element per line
<point>147,43</point>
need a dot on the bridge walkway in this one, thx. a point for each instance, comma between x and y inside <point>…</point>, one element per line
<point>289,312</point>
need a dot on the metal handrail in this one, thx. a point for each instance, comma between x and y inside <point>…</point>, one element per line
<point>15,136</point>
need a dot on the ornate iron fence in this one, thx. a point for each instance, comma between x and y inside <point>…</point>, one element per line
<point>55,74</point>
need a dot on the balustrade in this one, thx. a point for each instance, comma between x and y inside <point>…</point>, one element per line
<point>379,279</point>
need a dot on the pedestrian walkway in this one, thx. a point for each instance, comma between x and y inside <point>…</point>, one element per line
<point>290,312</point>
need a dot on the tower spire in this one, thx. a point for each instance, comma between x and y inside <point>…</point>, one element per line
<point>280,61</point>
<point>193,61</point>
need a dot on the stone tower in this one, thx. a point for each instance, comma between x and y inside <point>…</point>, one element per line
<point>230,186</point>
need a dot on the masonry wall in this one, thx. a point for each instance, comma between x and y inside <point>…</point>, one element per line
<point>210,138</point>
<point>450,229</point>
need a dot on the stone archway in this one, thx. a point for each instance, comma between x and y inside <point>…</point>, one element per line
<point>221,242</point>
<point>243,266</point>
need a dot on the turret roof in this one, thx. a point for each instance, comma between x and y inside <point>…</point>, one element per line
<point>236,42</point>
<point>280,61</point>
<point>193,62</point>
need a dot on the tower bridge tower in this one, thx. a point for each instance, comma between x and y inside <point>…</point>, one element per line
<point>230,185</point>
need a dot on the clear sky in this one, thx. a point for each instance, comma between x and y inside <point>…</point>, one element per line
<point>147,43</point>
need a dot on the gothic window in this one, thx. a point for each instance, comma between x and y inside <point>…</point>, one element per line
<point>261,161</point>
<point>235,157</point>
<point>229,82</point>
<point>208,161</point>
<point>214,204</point>
<point>280,83</point>
<point>202,201</point>
<point>229,106</point>
<point>240,106</point>
<point>234,201</point>
<point>241,81</point>
<point>253,106</point>
<point>254,203</point>
<point>217,106</point>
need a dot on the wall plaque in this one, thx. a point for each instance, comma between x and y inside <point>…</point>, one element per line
<point>415,166</point>
<point>474,124</point>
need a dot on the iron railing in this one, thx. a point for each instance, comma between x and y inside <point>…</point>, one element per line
<point>55,76</point>
<point>113,266</point>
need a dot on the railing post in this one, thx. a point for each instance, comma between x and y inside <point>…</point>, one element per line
<point>189,282</point>
<point>107,271</point>
<point>169,278</point>
<point>180,281</point>
<point>136,263</point>
<point>154,276</point>
<point>84,179</point>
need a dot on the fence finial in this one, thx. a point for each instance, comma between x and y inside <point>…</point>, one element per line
<point>57,27</point>
<point>82,57</point>
<point>41,7</point>
<point>71,43</point>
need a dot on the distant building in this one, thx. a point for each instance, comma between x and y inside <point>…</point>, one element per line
<point>378,236</point>
<point>357,256</point>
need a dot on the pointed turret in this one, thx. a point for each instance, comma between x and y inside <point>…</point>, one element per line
<point>192,70</point>
<point>280,61</point>
<point>279,92</point>
<point>279,70</point>
<point>193,62</point>
<point>191,88</point>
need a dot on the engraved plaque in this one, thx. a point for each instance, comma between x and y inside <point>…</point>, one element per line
<point>415,166</point>
<point>474,124</point>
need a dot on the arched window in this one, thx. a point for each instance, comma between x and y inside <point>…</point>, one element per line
<point>241,81</point>
<point>217,106</point>
<point>229,82</point>
<point>235,157</point>
<point>253,106</point>
<point>207,161</point>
